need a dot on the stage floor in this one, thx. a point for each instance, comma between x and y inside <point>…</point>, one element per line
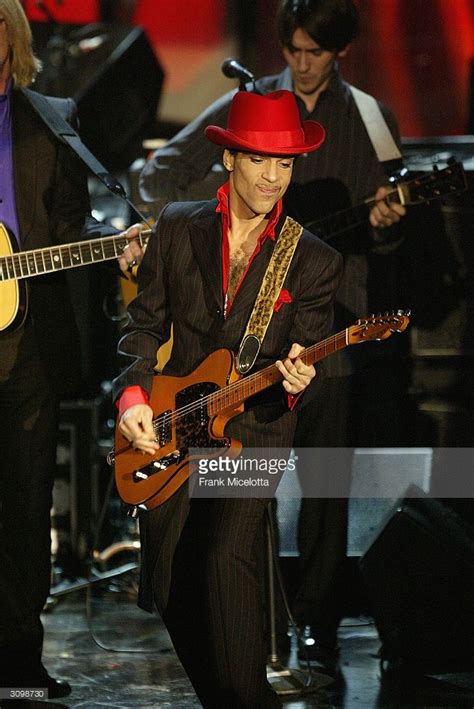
<point>137,667</point>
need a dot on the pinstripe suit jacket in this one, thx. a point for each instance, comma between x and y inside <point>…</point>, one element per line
<point>180,281</point>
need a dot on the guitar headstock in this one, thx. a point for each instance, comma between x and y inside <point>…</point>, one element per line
<point>378,327</point>
<point>434,185</point>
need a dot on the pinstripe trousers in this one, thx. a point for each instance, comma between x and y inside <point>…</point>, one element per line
<point>214,611</point>
<point>201,559</point>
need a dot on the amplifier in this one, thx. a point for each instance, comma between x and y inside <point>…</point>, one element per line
<point>419,575</point>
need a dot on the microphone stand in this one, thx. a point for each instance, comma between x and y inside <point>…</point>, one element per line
<point>243,84</point>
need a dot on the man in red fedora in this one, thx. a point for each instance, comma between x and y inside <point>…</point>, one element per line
<point>315,38</point>
<point>202,271</point>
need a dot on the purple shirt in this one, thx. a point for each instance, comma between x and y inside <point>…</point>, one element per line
<point>8,214</point>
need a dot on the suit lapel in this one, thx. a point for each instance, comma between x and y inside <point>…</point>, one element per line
<point>206,241</point>
<point>24,163</point>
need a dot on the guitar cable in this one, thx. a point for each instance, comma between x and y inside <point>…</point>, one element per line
<point>311,675</point>
<point>92,581</point>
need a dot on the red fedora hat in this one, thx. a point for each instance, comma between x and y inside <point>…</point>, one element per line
<point>268,124</point>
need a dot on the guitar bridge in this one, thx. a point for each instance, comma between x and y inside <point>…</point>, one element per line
<point>157,465</point>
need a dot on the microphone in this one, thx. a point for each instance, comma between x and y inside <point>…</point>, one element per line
<point>234,70</point>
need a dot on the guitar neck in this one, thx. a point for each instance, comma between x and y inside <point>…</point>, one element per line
<point>236,393</point>
<point>346,219</point>
<point>37,262</point>
<point>421,189</point>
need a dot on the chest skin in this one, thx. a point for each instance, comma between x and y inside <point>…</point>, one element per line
<point>240,253</point>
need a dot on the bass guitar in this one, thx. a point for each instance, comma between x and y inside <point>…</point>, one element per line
<point>16,266</point>
<point>192,412</point>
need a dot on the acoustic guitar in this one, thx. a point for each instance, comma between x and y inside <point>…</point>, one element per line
<point>192,411</point>
<point>16,266</point>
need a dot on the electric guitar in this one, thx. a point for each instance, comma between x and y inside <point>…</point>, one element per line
<point>16,266</point>
<point>192,412</point>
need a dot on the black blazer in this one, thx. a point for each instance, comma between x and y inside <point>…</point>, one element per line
<point>180,281</point>
<point>53,207</point>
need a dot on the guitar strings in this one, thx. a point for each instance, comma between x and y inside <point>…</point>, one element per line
<point>167,418</point>
<point>27,260</point>
<point>421,180</point>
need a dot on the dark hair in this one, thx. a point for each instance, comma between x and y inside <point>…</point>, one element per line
<point>332,24</point>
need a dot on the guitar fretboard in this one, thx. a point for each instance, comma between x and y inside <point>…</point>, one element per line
<point>243,389</point>
<point>57,258</point>
<point>421,189</point>
<point>339,222</point>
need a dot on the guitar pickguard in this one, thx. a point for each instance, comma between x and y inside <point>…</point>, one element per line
<point>192,429</point>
